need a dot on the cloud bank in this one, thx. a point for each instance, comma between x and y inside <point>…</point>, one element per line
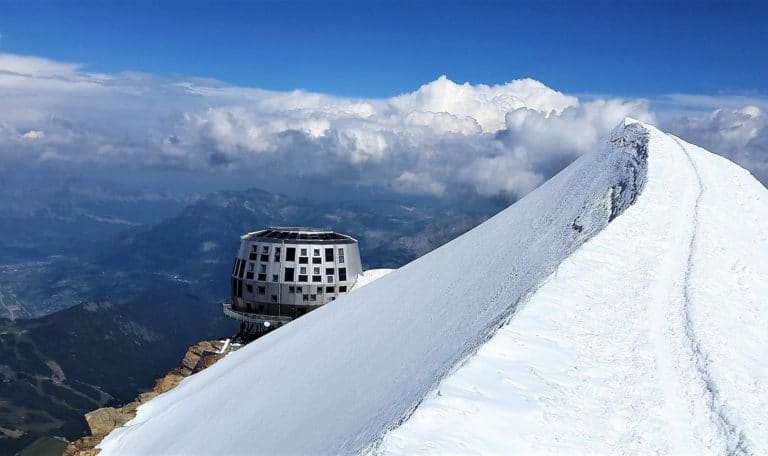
<point>443,139</point>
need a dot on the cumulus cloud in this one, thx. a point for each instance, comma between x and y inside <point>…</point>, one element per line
<point>740,134</point>
<point>442,139</point>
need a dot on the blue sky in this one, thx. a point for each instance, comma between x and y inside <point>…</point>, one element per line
<point>379,49</point>
<point>175,90</point>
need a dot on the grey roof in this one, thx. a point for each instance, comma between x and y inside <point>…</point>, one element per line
<point>299,234</point>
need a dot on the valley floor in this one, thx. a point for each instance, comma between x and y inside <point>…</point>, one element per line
<point>646,340</point>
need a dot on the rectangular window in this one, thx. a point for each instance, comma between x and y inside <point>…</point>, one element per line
<point>264,257</point>
<point>313,297</point>
<point>291,289</point>
<point>265,249</point>
<point>302,278</point>
<point>290,254</point>
<point>329,279</point>
<point>319,290</point>
<point>252,256</point>
<point>329,254</point>
<point>289,274</point>
<point>277,254</point>
<point>342,289</point>
<point>241,269</point>
<point>303,270</point>
<point>330,289</point>
<point>303,260</point>
<point>255,248</point>
<point>275,278</point>
<point>263,268</point>
<point>251,266</point>
<point>262,290</point>
<point>261,277</point>
<point>341,255</point>
<point>317,278</point>
<point>342,274</point>
<point>316,252</point>
<point>273,298</point>
<point>303,252</point>
<point>317,260</point>
<point>315,270</point>
<point>330,271</point>
<point>305,297</point>
<point>298,290</point>
<point>249,275</point>
<point>234,266</point>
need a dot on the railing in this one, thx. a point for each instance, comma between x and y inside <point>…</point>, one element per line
<point>253,318</point>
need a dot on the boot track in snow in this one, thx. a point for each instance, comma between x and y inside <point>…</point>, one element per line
<point>735,438</point>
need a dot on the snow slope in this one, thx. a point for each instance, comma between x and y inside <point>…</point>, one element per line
<point>652,338</point>
<point>336,379</point>
<point>619,350</point>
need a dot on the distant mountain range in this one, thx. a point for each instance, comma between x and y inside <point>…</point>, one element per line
<point>118,309</point>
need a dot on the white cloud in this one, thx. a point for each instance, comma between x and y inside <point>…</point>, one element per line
<point>740,134</point>
<point>442,139</point>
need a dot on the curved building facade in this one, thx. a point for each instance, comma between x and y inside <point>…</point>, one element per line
<point>281,273</point>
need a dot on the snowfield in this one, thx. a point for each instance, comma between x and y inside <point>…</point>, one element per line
<point>648,338</point>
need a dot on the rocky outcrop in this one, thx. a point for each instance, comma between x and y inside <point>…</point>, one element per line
<point>102,421</point>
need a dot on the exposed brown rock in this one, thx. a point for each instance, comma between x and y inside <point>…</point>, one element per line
<point>102,421</point>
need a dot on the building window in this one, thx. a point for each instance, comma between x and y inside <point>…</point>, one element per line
<point>249,275</point>
<point>254,248</point>
<point>303,270</point>
<point>303,252</point>
<point>341,255</point>
<point>290,254</point>
<point>303,260</point>
<point>265,249</point>
<point>316,252</point>
<point>262,290</point>
<point>291,289</point>
<point>317,260</point>
<point>275,278</point>
<point>273,298</point>
<point>313,297</point>
<point>277,254</point>
<point>315,270</point>
<point>261,277</point>
<point>251,266</point>
<point>317,278</point>
<point>342,289</point>
<point>299,289</point>
<point>329,254</point>
<point>330,271</point>
<point>329,279</point>
<point>330,289</point>
<point>263,268</point>
<point>289,274</point>
<point>264,257</point>
<point>319,290</point>
<point>342,274</point>
<point>302,278</point>
<point>249,288</point>
<point>305,297</point>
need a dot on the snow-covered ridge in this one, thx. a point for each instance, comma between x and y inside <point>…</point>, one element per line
<point>337,379</point>
<point>650,339</point>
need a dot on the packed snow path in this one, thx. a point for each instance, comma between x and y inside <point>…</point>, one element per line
<point>649,339</point>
